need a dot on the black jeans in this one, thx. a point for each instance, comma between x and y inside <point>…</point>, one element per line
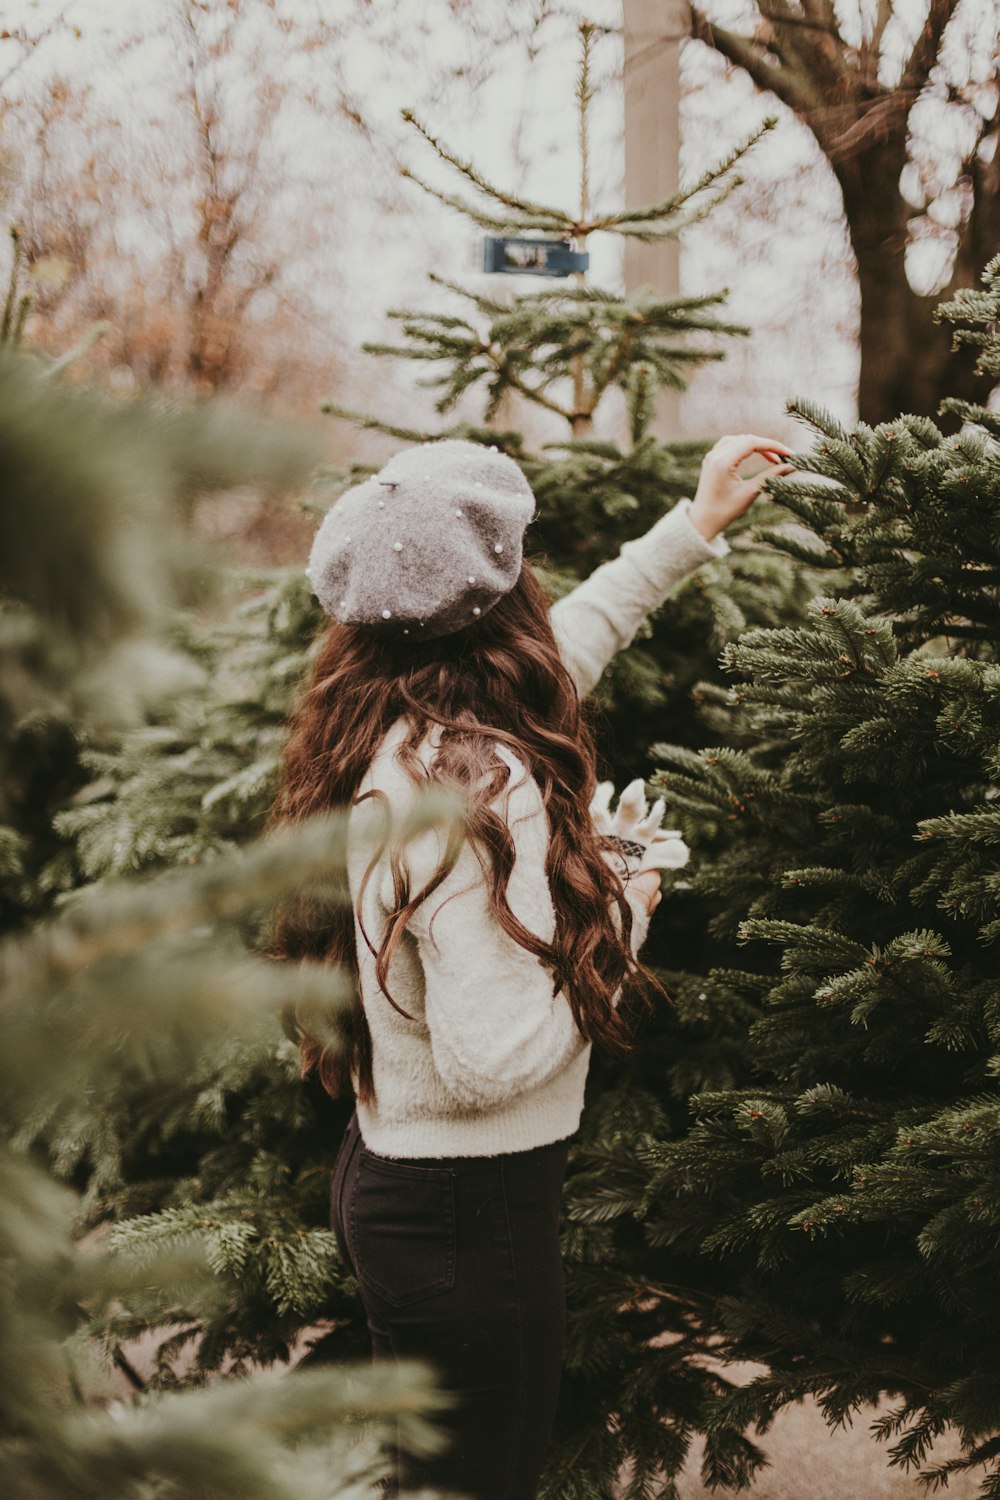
<point>458,1264</point>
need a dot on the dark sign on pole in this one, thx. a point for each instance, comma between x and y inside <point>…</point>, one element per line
<point>532,257</point>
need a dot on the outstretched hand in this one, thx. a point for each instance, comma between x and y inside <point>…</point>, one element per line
<point>647,882</point>
<point>722,493</point>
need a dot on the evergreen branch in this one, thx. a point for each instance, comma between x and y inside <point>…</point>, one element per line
<point>252,1435</point>
<point>376,424</point>
<point>122,1362</point>
<point>83,345</point>
<point>437,346</point>
<point>550,222</point>
<point>7,326</point>
<point>793,546</point>
<point>702,212</point>
<point>688,1296</point>
<point>584,95</point>
<point>524,208</point>
<point>586,295</point>
<point>818,418</point>
<point>113,920</point>
<point>972,412</point>
<point>119,468</point>
<point>24,307</point>
<point>532,393</point>
<point>669,206</point>
<point>483,303</point>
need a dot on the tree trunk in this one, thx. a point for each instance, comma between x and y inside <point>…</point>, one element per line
<point>862,128</point>
<point>907,362</point>
<point>981,240</point>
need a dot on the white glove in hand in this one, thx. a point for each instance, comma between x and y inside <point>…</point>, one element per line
<point>635,829</point>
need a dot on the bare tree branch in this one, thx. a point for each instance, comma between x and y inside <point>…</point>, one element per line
<point>753,58</point>
<point>32,43</point>
<point>882,18</point>
<point>822,10</point>
<point>785,18</point>
<point>928,44</point>
<point>814,47</point>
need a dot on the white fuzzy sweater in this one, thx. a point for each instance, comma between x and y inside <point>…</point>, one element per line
<point>491,1062</point>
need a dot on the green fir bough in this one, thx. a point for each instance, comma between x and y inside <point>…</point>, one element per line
<point>840,1196</point>
<point>131,985</point>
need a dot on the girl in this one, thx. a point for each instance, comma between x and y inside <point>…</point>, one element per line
<point>488,960</point>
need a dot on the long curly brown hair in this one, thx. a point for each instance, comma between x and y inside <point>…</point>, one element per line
<point>498,681</point>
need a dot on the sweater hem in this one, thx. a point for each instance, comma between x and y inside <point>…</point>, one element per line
<point>480,1135</point>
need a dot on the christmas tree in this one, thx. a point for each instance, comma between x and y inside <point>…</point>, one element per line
<point>839,1205</point>
<point>138,979</point>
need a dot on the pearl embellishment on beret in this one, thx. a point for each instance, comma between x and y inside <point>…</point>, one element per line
<point>425,501</point>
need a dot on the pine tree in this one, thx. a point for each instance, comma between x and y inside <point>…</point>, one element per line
<point>245,1145</point>
<point>139,980</point>
<point>840,1205</point>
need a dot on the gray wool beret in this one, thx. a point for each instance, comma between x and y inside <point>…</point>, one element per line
<point>428,544</point>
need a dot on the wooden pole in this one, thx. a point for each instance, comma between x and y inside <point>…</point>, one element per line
<point>653,31</point>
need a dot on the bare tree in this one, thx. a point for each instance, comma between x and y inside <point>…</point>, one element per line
<point>192,224</point>
<point>234,258</point>
<point>860,108</point>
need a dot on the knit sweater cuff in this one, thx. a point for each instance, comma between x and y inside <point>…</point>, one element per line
<point>641,917</point>
<point>672,545</point>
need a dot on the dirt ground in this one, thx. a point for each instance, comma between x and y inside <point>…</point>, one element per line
<point>808,1461</point>
<point>811,1462</point>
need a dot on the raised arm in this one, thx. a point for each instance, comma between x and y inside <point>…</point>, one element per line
<point>602,614</point>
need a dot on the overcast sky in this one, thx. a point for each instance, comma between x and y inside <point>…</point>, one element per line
<point>778,247</point>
